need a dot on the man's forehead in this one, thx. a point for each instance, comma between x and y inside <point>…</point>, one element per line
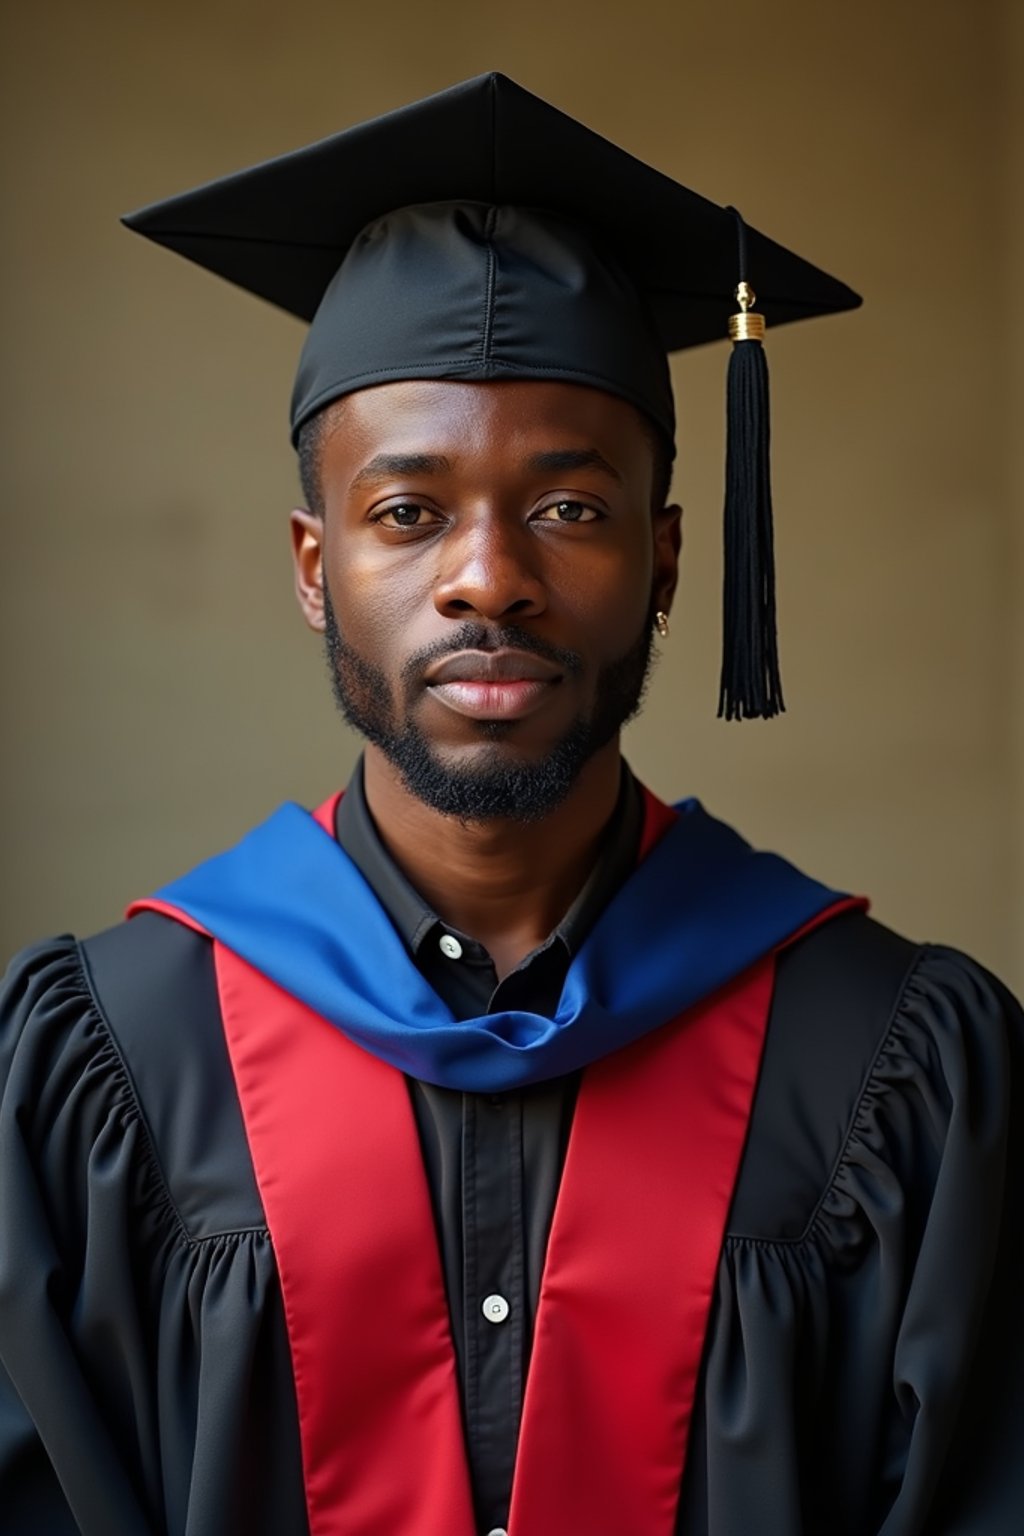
<point>536,404</point>
<point>440,420</point>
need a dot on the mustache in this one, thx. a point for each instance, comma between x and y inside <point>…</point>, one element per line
<point>487,637</point>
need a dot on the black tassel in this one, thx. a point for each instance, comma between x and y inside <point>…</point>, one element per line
<point>751,687</point>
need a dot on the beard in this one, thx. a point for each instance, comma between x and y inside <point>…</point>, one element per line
<point>495,786</point>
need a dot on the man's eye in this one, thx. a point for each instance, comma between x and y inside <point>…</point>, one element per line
<point>568,512</point>
<point>408,514</point>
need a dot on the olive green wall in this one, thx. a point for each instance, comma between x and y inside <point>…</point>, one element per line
<point>160,690</point>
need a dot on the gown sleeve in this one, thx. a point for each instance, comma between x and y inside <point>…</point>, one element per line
<point>958,1370</point>
<point>70,1345</point>
<point>145,1379</point>
<point>864,1371</point>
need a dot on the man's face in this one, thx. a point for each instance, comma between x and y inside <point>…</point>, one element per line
<point>485,574</point>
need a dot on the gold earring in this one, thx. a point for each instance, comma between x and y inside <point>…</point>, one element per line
<point>661,624</point>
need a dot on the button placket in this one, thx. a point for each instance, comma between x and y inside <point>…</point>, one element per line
<point>493,1236</point>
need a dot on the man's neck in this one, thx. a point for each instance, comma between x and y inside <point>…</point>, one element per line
<point>505,883</point>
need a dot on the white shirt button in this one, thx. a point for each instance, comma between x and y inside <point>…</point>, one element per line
<point>499,1530</point>
<point>450,946</point>
<point>495,1309</point>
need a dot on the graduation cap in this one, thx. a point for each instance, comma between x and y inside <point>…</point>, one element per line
<point>481,234</point>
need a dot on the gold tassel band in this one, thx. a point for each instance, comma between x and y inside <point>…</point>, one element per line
<point>745,326</point>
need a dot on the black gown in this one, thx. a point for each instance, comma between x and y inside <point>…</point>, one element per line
<point>864,1365</point>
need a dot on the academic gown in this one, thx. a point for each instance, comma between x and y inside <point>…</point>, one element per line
<point>863,1370</point>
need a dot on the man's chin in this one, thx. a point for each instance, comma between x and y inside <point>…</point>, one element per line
<point>489,780</point>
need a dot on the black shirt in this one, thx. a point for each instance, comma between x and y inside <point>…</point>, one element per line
<point>493,1161</point>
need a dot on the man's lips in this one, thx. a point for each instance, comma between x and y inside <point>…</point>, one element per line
<point>491,667</point>
<point>492,685</point>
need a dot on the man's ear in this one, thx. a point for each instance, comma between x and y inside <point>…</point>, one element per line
<point>668,543</point>
<point>307,532</point>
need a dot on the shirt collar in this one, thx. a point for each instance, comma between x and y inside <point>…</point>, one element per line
<point>415,921</point>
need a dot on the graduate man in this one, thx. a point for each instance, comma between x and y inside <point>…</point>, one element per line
<point>498,1149</point>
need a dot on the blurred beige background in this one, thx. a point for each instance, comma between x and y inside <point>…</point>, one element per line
<point>160,692</point>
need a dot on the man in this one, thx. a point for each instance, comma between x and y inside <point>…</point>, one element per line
<point>500,1149</point>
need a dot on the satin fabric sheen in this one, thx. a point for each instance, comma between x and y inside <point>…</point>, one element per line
<point>656,1142</point>
<point>701,907</point>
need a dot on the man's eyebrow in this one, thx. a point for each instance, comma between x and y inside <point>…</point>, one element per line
<point>387,465</point>
<point>572,458</point>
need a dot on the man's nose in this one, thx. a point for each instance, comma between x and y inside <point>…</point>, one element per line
<point>490,569</point>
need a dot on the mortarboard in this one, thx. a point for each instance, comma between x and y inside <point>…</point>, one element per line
<point>482,234</point>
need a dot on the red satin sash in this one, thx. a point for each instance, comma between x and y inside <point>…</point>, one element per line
<point>655,1146</point>
<point>653,1154</point>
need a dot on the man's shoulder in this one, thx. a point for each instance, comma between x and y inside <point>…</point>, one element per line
<point>851,968</point>
<point>150,961</point>
<point>869,1031</point>
<point>133,1013</point>
<point>119,974</point>
<point>859,975</point>
<point>154,983</point>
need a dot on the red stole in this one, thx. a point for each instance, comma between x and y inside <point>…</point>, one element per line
<point>653,1155</point>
